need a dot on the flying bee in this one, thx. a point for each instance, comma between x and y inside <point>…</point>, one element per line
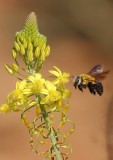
<point>91,80</point>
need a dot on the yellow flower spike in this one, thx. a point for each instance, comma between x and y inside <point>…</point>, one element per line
<point>9,69</point>
<point>30,56</point>
<point>15,67</point>
<point>37,52</point>
<point>14,54</point>
<point>47,51</point>
<point>4,108</point>
<point>22,50</point>
<point>46,97</point>
<point>16,46</point>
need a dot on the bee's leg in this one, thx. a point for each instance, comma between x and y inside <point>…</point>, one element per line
<point>80,87</point>
<point>91,88</point>
<point>99,87</point>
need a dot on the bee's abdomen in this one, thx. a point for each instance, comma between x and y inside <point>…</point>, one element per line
<point>91,87</point>
<point>99,87</point>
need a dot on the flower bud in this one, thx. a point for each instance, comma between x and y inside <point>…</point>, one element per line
<point>37,52</point>
<point>36,42</point>
<point>15,67</point>
<point>43,47</point>
<point>22,50</point>
<point>30,56</point>
<point>25,43</point>
<point>18,41</point>
<point>47,51</point>
<point>14,54</point>
<point>43,56</point>
<point>16,46</point>
<point>8,68</point>
<point>30,46</point>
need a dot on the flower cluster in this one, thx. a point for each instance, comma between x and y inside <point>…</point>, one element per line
<point>52,93</point>
<point>31,46</point>
<point>33,91</point>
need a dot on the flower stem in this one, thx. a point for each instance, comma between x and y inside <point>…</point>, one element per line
<point>52,133</point>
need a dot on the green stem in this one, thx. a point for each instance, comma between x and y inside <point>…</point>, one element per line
<point>52,133</point>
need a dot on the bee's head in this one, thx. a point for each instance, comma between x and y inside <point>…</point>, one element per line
<point>77,80</point>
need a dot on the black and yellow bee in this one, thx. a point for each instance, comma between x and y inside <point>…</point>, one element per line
<point>91,80</point>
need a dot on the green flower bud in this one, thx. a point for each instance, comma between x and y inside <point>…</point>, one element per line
<point>36,42</point>
<point>43,47</point>
<point>15,67</point>
<point>8,68</point>
<point>47,51</point>
<point>16,46</point>
<point>21,38</point>
<point>30,56</point>
<point>22,50</point>
<point>37,52</point>
<point>18,41</point>
<point>25,43</point>
<point>43,56</point>
<point>30,46</point>
<point>14,54</point>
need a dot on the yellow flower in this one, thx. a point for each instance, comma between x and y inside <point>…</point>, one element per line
<point>37,83</point>
<point>4,108</point>
<point>17,99</point>
<point>66,94</point>
<point>52,94</point>
<point>62,78</point>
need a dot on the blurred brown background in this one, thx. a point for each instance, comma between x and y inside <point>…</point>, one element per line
<point>80,33</point>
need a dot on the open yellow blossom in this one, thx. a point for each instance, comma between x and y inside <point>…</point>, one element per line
<point>36,83</point>
<point>62,78</point>
<point>17,99</point>
<point>51,92</point>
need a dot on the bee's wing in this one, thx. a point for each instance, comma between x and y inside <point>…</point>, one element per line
<point>102,75</point>
<point>96,70</point>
